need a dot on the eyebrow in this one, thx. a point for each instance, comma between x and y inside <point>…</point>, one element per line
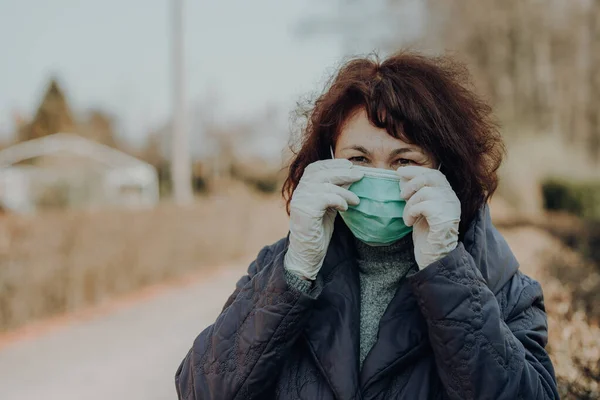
<point>359,149</point>
<point>403,150</point>
<point>394,153</point>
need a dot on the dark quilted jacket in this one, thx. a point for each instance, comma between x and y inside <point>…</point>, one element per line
<point>470,326</point>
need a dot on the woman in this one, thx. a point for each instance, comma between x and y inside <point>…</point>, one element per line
<point>411,293</point>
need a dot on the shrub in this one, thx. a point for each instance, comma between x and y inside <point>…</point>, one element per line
<point>578,198</point>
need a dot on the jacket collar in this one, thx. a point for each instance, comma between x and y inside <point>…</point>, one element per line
<point>491,253</point>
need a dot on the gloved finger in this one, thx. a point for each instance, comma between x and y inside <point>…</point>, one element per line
<point>424,194</point>
<point>431,178</point>
<point>351,198</point>
<point>414,212</point>
<point>327,164</point>
<point>411,172</point>
<point>338,176</point>
<point>333,201</point>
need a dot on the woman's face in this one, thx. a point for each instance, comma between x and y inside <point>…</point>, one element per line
<point>369,146</point>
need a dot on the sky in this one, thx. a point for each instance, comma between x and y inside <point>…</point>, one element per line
<point>241,56</point>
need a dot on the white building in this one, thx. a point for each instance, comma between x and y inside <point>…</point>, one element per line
<point>67,170</point>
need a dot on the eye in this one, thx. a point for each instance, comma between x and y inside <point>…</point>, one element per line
<point>359,160</point>
<point>405,161</point>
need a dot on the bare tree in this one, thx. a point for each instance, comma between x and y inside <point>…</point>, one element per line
<point>537,61</point>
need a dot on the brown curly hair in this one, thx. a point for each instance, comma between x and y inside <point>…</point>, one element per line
<point>426,101</point>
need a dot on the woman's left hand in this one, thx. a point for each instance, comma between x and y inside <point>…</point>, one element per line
<point>433,210</point>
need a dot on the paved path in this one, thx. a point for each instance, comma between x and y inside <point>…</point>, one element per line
<point>131,353</point>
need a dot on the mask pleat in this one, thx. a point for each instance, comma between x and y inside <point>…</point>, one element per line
<point>377,220</point>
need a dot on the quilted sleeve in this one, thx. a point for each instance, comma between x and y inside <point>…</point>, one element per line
<point>239,356</point>
<point>481,350</point>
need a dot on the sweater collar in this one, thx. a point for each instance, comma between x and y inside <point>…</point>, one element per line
<point>365,252</point>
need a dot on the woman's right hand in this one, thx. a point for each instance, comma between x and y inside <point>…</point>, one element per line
<point>313,208</point>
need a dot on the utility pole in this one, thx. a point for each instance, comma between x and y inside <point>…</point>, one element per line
<point>180,150</point>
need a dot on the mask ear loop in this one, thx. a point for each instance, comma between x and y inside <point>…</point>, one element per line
<point>439,168</point>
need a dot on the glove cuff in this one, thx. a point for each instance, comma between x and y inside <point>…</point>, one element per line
<point>297,266</point>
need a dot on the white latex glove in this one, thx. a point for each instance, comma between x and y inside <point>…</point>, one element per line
<point>312,213</point>
<point>433,210</point>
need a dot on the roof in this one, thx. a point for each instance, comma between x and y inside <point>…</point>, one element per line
<point>70,143</point>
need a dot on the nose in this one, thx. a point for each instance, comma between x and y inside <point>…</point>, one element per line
<point>382,165</point>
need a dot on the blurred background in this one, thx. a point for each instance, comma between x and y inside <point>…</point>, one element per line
<point>143,145</point>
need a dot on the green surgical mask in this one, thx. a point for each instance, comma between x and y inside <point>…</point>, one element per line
<point>377,220</point>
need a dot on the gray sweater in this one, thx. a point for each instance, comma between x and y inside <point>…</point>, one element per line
<point>381,269</point>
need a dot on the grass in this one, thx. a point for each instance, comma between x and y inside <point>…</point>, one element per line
<point>58,262</point>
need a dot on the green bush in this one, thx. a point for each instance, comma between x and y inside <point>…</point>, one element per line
<point>268,184</point>
<point>578,198</point>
